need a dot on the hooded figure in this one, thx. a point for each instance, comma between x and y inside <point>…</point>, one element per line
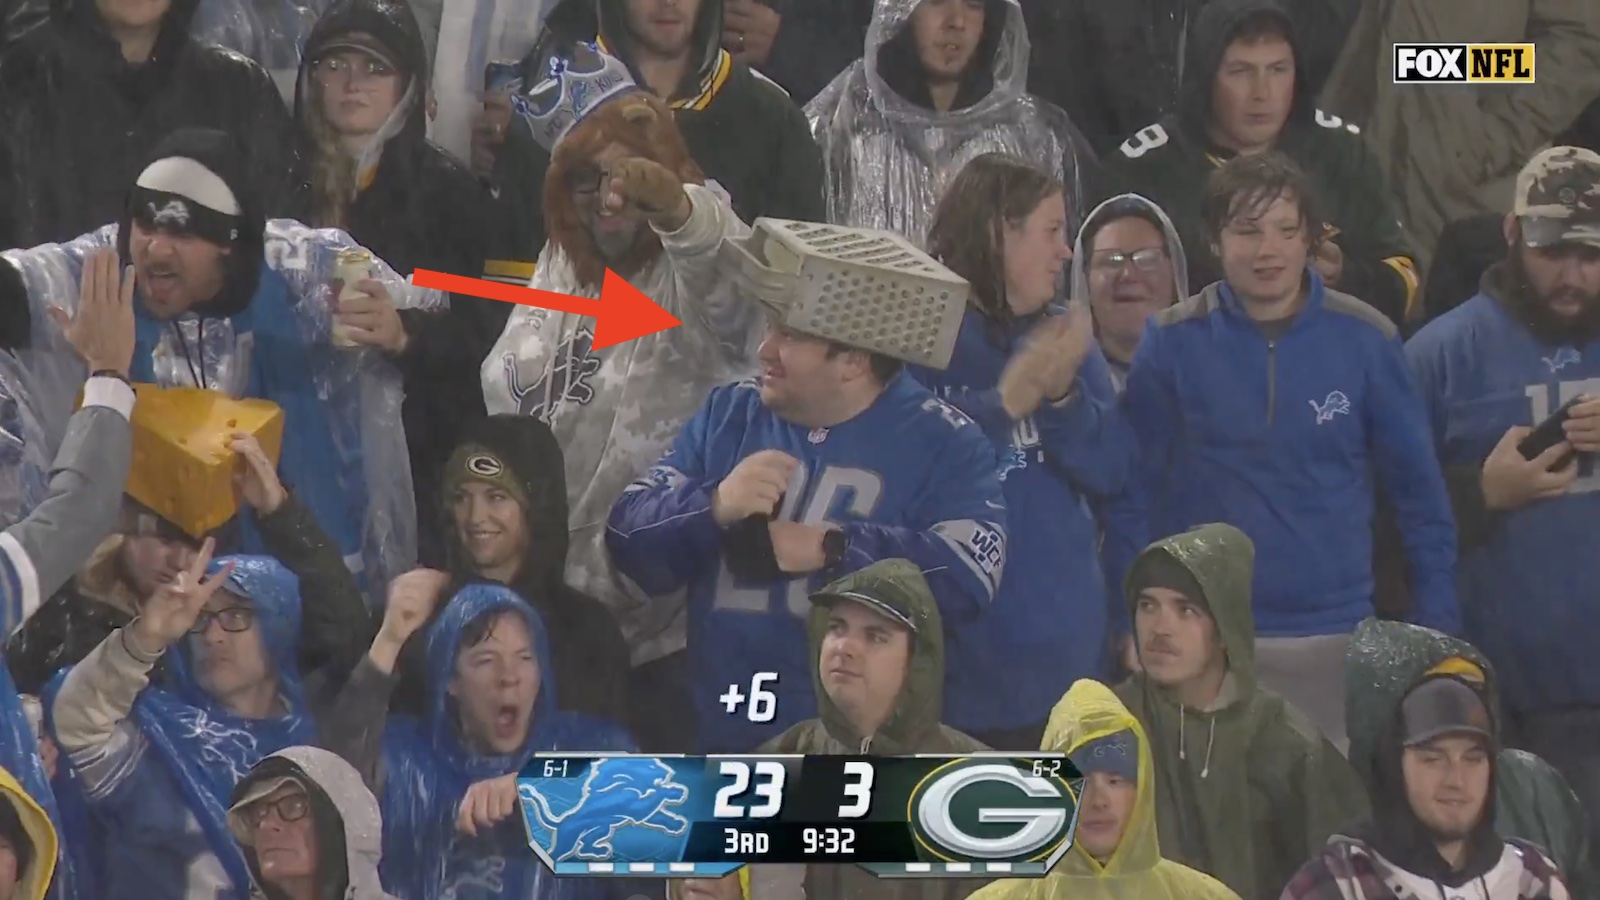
<point>29,813</point>
<point>82,121</point>
<point>1128,298</point>
<point>158,777</point>
<point>345,820</point>
<point>1135,871</point>
<point>428,766</point>
<point>263,333</point>
<point>888,153</point>
<point>1170,160</point>
<point>1531,802</point>
<point>412,205</point>
<point>518,456</point>
<point>896,591</point>
<point>1246,789</point>
<point>27,833</point>
<point>615,409</point>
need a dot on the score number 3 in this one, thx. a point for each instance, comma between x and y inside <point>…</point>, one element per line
<point>769,775</point>
<point>858,791</point>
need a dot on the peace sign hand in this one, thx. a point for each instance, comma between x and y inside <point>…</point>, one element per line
<point>172,610</point>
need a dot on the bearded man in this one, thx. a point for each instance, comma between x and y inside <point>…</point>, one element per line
<point>622,193</point>
<point>1525,346</point>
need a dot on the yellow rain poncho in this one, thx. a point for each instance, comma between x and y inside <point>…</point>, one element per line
<point>34,882</point>
<point>1136,871</point>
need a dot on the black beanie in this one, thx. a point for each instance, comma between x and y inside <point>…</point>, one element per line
<point>195,182</point>
<point>1158,569</point>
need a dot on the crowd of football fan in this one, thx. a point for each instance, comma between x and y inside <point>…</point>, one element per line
<point>1153,381</point>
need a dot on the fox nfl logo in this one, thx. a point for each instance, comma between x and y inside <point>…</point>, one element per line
<point>1463,63</point>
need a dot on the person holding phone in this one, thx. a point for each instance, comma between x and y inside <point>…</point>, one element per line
<point>1526,351</point>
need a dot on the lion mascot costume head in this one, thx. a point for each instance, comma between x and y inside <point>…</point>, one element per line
<point>640,125</point>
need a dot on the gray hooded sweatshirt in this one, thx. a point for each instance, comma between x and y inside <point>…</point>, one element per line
<point>344,803</point>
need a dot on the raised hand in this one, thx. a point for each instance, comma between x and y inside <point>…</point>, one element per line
<point>1065,342</point>
<point>172,610</point>
<point>649,187</point>
<point>102,330</point>
<point>254,477</point>
<point>412,597</point>
<point>373,321</point>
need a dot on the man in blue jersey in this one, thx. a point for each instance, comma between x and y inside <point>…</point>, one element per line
<point>830,460</point>
<point>1525,345</point>
<point>1274,404</point>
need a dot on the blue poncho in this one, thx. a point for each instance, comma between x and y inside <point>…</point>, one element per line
<point>428,769</point>
<point>197,751</point>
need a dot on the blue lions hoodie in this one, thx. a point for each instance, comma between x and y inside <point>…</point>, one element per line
<point>1048,625</point>
<point>1288,438</point>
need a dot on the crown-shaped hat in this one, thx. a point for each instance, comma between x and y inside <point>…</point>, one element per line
<point>577,79</point>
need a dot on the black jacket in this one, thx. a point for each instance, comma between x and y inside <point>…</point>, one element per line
<point>590,659</point>
<point>422,210</point>
<point>1118,66</point>
<point>743,131</point>
<point>80,120</point>
<point>1169,162</point>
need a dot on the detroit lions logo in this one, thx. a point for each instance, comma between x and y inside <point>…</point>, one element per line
<point>1562,358</point>
<point>174,215</point>
<point>1014,458</point>
<point>619,796</point>
<point>565,382</point>
<point>1336,404</point>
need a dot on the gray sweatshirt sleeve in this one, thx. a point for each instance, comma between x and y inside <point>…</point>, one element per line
<point>39,554</point>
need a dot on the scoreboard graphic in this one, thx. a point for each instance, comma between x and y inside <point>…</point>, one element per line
<point>926,816</point>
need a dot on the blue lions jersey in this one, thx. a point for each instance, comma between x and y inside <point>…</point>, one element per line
<point>1527,590</point>
<point>911,477</point>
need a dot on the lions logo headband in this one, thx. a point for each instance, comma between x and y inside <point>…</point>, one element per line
<point>182,196</point>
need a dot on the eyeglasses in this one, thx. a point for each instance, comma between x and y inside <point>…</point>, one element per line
<point>1109,262</point>
<point>233,619</point>
<point>358,69</point>
<point>585,179</point>
<point>289,807</point>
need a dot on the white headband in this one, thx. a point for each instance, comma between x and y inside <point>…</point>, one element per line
<point>188,178</point>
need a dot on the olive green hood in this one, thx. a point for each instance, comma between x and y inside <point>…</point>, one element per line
<point>1247,789</point>
<point>899,583</point>
<point>1388,659</point>
<point>1222,559</point>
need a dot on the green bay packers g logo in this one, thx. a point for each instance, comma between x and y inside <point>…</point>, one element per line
<point>994,809</point>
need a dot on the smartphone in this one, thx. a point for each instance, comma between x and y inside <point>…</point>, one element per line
<point>1548,433</point>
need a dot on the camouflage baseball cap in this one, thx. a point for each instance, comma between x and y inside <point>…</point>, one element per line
<point>1558,198</point>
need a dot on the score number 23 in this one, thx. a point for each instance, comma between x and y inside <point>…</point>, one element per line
<point>769,777</point>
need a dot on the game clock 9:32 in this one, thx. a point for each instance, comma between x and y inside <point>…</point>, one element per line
<point>836,841</point>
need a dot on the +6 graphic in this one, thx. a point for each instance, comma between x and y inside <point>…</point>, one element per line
<point>705,816</point>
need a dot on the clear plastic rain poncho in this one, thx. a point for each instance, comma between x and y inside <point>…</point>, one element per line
<point>358,389</point>
<point>271,32</point>
<point>889,158</point>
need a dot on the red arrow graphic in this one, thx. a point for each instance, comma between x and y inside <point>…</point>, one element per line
<point>621,314</point>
